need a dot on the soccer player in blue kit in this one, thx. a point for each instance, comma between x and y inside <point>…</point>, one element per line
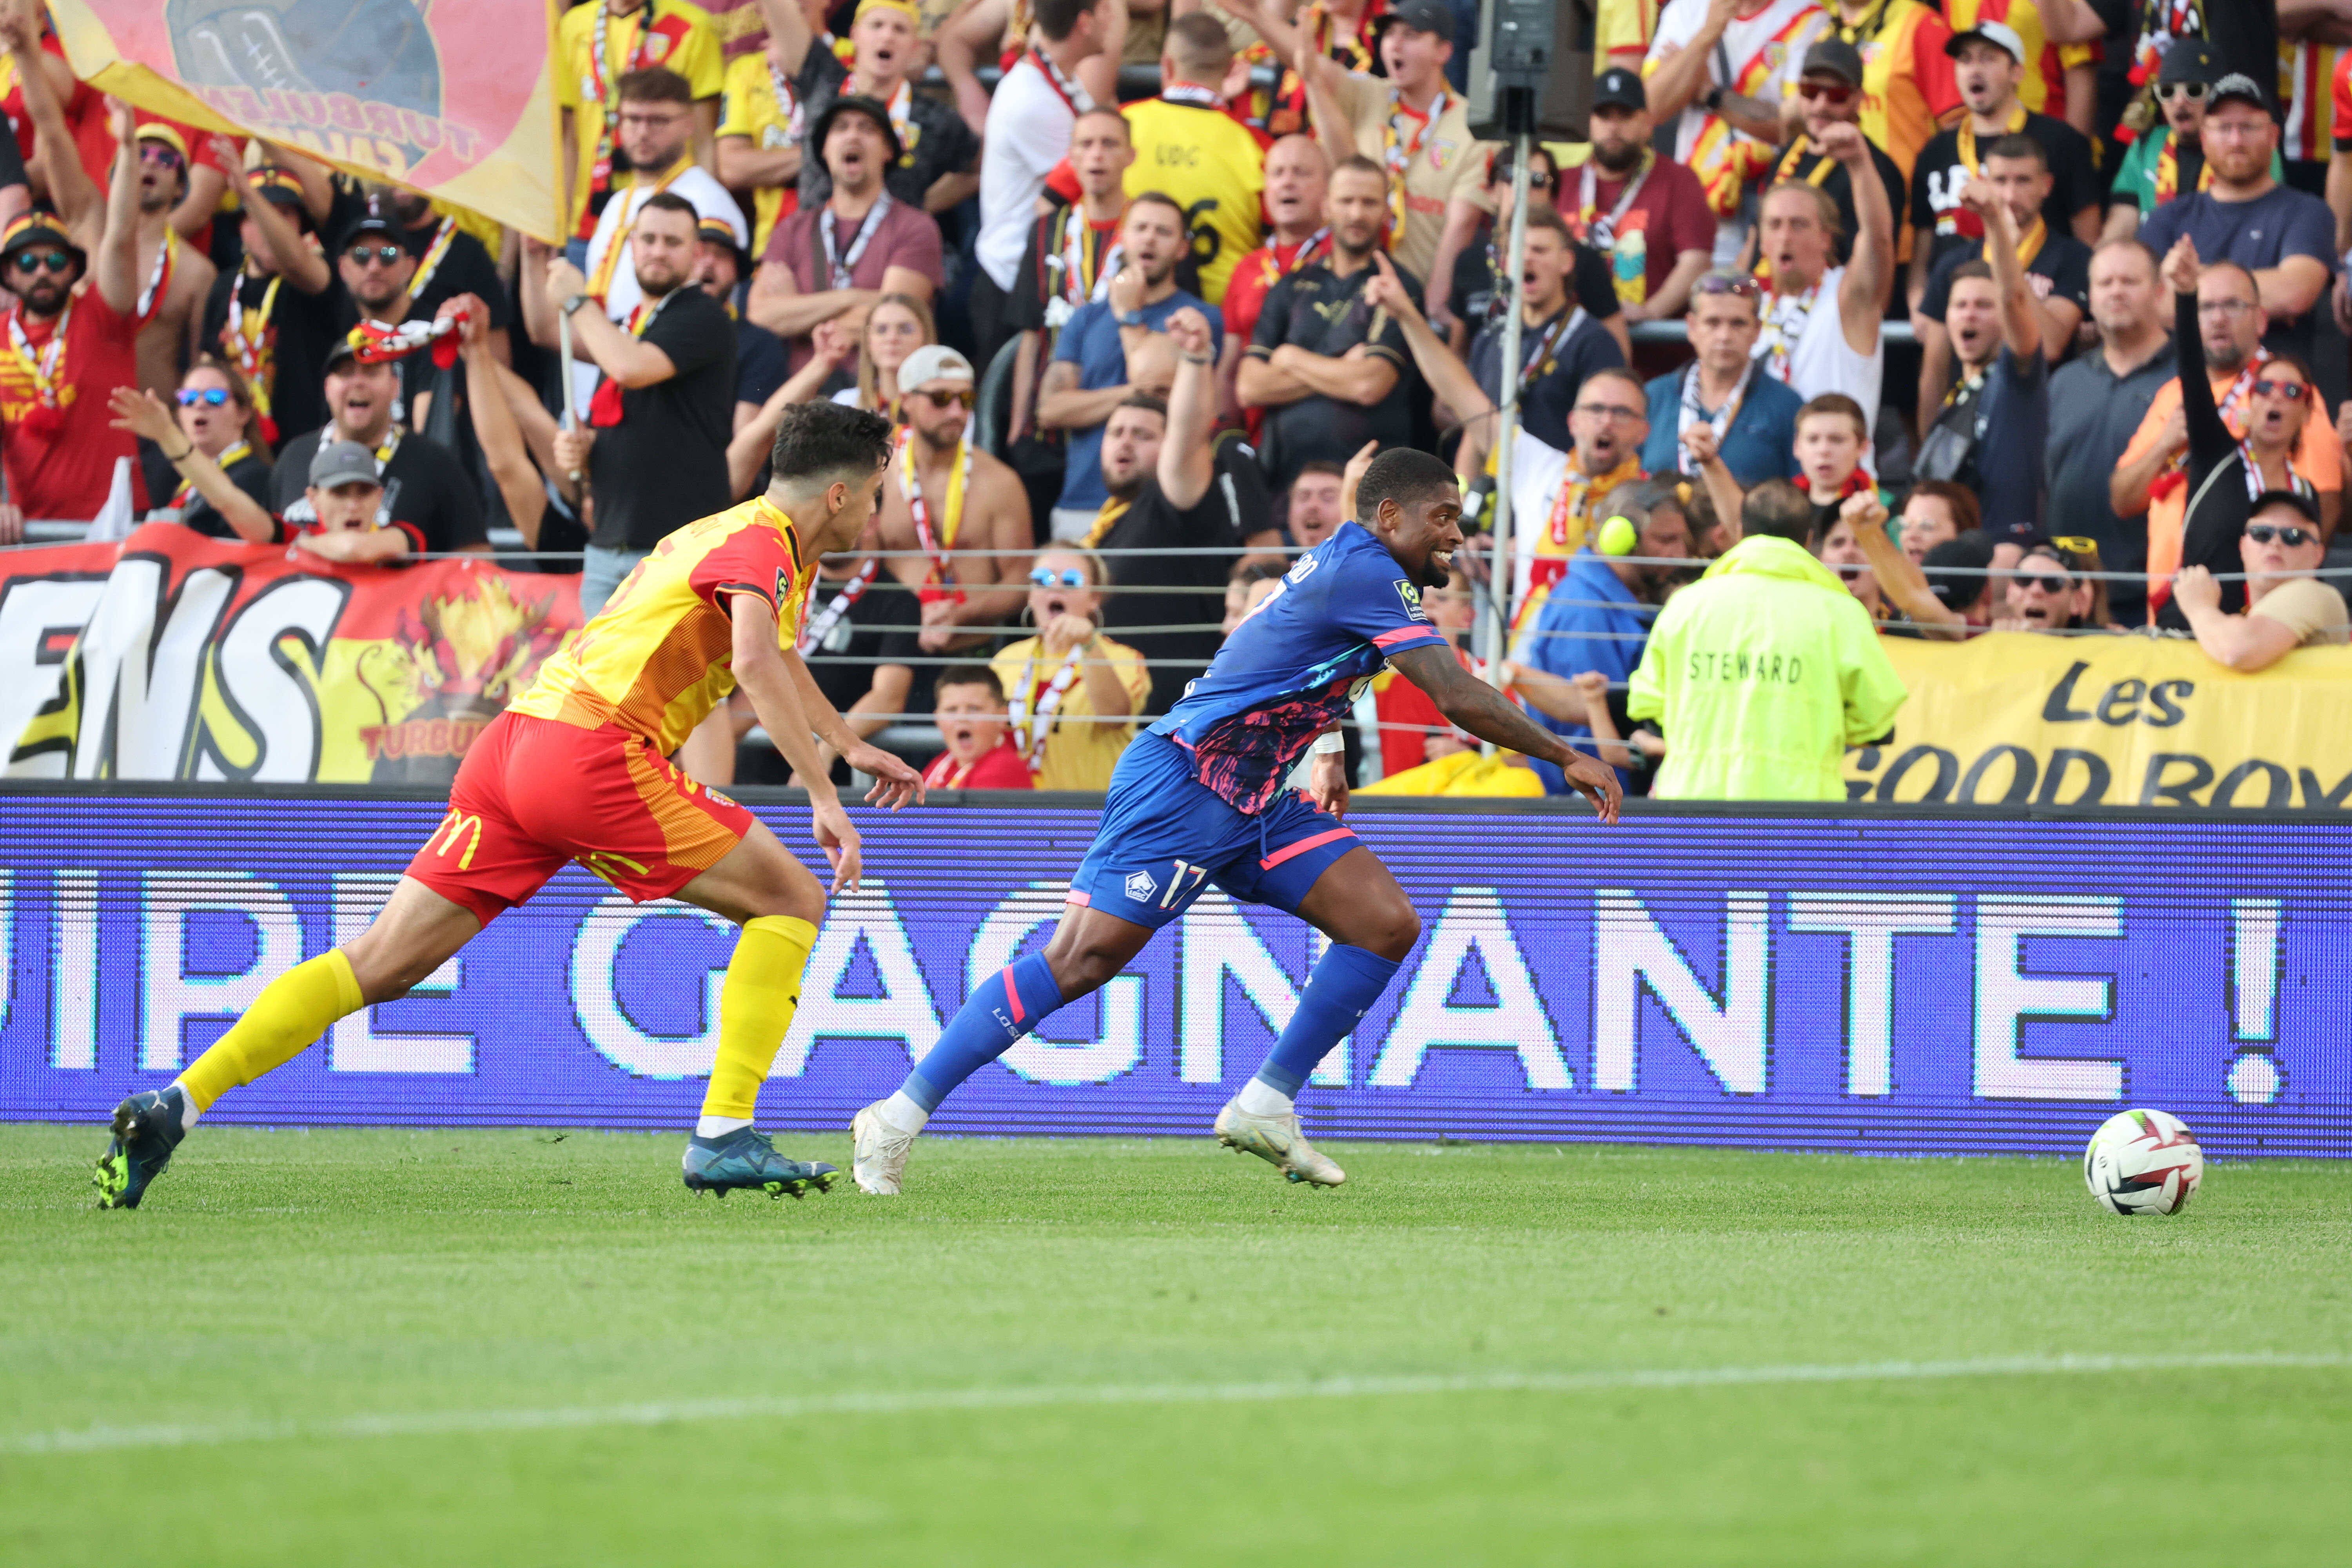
<point>1200,798</point>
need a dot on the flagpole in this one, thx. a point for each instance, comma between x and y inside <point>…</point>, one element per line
<point>1502,570</point>
<point>571,392</point>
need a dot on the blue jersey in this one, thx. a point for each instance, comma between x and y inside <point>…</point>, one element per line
<point>1292,668</point>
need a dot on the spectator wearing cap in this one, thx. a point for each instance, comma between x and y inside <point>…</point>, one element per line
<point>935,158</point>
<point>2169,160</point>
<point>74,331</point>
<point>1988,63</point>
<point>2058,74</point>
<point>1721,73</point>
<point>946,503</point>
<point>1472,299</point>
<point>426,494</point>
<point>833,258</point>
<point>342,497</point>
<point>658,122</point>
<point>1959,574</point>
<point>761,363</point>
<point>216,413</point>
<point>1648,213</point>
<point>2098,401</point>
<point>1990,430</point>
<point>1327,364</point>
<point>1597,617</point>
<point>1410,126</point>
<point>2055,588</point>
<point>450,261</point>
<point>1907,93</point>
<point>276,316</point>
<point>1114,346</point>
<point>2285,238</point>
<point>152,162</point>
<point>665,404</point>
<point>1830,91</point>
<point>1816,680</point>
<point>599,46</point>
<point>2057,268</point>
<point>374,265</point>
<point>1750,417</point>
<point>2287,607</point>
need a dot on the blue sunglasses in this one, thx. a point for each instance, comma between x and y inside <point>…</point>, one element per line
<point>1067,577</point>
<point>210,396</point>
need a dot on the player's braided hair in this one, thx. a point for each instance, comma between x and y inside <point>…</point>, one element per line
<point>1407,477</point>
<point>818,443</point>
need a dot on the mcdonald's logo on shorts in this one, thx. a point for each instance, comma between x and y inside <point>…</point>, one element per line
<point>453,826</point>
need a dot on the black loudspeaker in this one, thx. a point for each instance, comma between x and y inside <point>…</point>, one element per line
<point>1532,70</point>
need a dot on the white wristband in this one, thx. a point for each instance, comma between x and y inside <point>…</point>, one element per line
<point>1331,745</point>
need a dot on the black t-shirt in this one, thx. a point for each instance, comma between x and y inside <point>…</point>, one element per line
<point>1235,506</point>
<point>938,140</point>
<point>2245,36</point>
<point>1802,163</point>
<point>1556,358</point>
<point>664,464</point>
<point>761,363</point>
<point>2061,269</point>
<point>1471,297</point>
<point>1326,314</point>
<point>299,331</point>
<point>250,474</point>
<point>879,627</point>
<point>425,494</point>
<point>1940,177</point>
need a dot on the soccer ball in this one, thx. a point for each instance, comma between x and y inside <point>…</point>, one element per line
<point>2143,1162</point>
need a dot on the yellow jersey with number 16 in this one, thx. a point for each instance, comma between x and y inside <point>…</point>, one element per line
<point>1214,167</point>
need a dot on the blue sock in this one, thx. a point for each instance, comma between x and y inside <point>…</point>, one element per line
<point>1001,1008</point>
<point>1348,981</point>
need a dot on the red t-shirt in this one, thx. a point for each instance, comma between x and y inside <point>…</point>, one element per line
<point>85,110</point>
<point>1000,769</point>
<point>60,461</point>
<point>1669,216</point>
<point>1254,276</point>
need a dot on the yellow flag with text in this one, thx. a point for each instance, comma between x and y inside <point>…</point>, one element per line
<point>2017,718</point>
<point>453,97</point>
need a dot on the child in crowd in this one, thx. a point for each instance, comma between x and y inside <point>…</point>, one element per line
<point>969,703</point>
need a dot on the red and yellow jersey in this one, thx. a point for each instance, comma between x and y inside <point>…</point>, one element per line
<point>1623,28</point>
<point>1214,166</point>
<point>658,659</point>
<point>671,33</point>
<point>2311,92</point>
<point>1906,78</point>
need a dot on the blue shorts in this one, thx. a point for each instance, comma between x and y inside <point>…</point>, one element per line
<point>1164,835</point>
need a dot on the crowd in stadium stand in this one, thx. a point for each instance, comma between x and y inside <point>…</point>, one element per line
<point>2035,305</point>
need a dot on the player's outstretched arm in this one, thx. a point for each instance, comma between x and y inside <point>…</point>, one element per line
<point>894,784</point>
<point>760,671</point>
<point>1479,707</point>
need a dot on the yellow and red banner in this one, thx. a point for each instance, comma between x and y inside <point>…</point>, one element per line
<point>171,655</point>
<point>454,99</point>
<point>2018,719</point>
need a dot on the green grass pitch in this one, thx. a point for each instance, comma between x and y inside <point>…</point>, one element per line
<point>423,1347</point>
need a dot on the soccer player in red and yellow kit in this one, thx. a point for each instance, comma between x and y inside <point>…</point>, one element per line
<point>577,769</point>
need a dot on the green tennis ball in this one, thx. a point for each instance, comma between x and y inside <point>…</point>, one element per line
<point>1617,536</point>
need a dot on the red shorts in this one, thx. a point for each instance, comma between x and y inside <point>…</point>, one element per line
<point>533,794</point>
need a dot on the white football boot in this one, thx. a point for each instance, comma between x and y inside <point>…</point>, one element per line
<point>1277,1140</point>
<point>881,1150</point>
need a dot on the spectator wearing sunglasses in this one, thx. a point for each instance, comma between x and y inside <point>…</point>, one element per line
<point>2050,593</point>
<point>2281,552</point>
<point>2226,471</point>
<point>2169,161</point>
<point>1478,303</point>
<point>1073,693</point>
<point>945,503</point>
<point>1830,91</point>
<point>1750,416</point>
<point>375,266</point>
<point>55,441</point>
<point>1647,214</point>
<point>215,414</point>
<point>2285,238</point>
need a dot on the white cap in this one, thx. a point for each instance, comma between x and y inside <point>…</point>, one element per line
<point>933,361</point>
<point>1999,33</point>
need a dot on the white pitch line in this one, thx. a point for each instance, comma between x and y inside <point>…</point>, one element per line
<point>441,1423</point>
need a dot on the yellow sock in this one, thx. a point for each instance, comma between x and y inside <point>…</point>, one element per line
<point>755,1007</point>
<point>292,1011</point>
